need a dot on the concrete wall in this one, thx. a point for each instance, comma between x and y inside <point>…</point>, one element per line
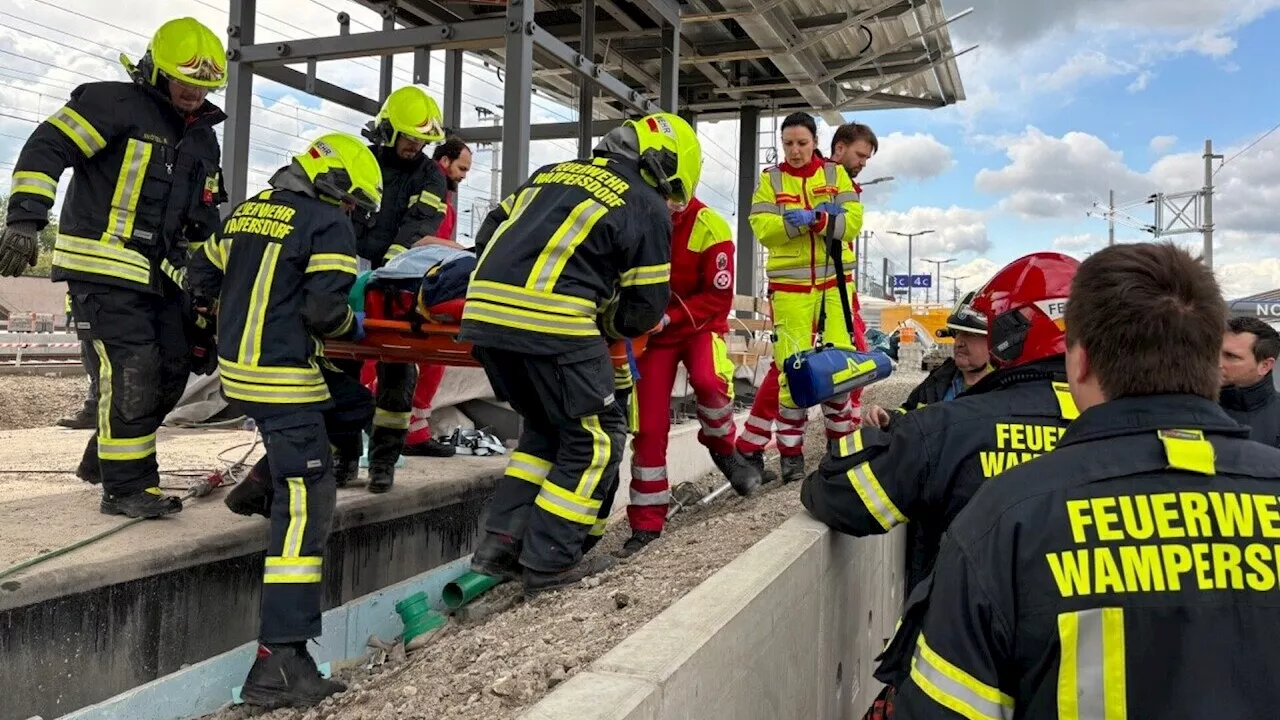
<point>788,630</point>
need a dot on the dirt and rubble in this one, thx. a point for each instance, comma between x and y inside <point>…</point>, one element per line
<point>32,401</point>
<point>497,666</point>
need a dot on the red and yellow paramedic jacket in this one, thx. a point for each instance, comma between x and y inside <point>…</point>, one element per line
<point>702,273</point>
<point>797,256</point>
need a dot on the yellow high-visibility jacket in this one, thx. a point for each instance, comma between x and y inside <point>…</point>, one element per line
<point>797,255</point>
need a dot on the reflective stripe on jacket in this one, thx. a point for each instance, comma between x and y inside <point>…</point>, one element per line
<point>797,255</point>
<point>145,184</point>
<point>281,270</point>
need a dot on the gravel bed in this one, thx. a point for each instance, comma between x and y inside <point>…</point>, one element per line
<point>32,401</point>
<point>495,667</point>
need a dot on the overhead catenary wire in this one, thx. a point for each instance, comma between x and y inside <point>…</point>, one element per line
<point>1247,148</point>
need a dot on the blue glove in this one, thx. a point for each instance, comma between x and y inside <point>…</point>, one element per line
<point>831,208</point>
<point>357,331</point>
<point>799,217</point>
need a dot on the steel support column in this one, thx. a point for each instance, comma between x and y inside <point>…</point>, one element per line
<point>386,69</point>
<point>517,106</point>
<point>748,151</point>
<point>235,142</point>
<point>586,86</point>
<point>452,89</point>
<point>668,98</point>
<point>422,66</point>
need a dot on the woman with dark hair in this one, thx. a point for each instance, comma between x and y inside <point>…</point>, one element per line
<point>797,205</point>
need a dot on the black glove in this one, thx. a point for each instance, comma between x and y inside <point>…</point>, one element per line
<point>18,248</point>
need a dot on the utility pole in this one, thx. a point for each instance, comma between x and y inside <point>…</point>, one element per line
<point>910,236</point>
<point>1111,217</point>
<point>937,264</point>
<point>1178,213</point>
<point>1207,223</point>
<point>495,158</point>
<point>859,277</point>
<point>955,286</point>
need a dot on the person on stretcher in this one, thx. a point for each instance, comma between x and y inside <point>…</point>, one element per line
<point>418,285</point>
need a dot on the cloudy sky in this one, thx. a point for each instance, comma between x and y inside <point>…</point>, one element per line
<point>1066,100</point>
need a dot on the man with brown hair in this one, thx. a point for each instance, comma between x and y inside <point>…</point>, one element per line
<point>1249,350</point>
<point>1128,572</point>
<point>852,146</point>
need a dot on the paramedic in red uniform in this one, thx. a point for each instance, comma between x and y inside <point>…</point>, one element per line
<point>454,158</point>
<point>693,331</point>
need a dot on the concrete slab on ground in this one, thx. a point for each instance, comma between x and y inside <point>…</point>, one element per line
<point>42,512</point>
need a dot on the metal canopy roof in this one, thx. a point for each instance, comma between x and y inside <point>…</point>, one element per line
<point>825,56</point>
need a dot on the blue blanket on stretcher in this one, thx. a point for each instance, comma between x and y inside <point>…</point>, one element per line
<point>436,273</point>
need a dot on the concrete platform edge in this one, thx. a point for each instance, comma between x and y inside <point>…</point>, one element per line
<point>787,629</point>
<point>204,687</point>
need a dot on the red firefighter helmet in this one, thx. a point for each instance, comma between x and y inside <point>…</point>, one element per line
<point>1025,303</point>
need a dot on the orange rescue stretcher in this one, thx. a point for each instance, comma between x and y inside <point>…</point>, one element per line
<point>397,332</point>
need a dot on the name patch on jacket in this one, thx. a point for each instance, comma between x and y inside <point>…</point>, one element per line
<point>1017,443</point>
<point>1170,542</point>
<point>603,185</point>
<point>261,218</point>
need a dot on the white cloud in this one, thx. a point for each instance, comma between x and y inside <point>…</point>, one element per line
<point>1084,65</point>
<point>1051,177</point>
<point>1079,245</point>
<point>913,157</point>
<point>1162,144</point>
<point>956,232</point>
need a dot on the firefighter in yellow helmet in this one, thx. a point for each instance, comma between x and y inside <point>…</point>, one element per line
<point>277,278</point>
<point>145,186</point>
<point>578,255</point>
<point>415,189</point>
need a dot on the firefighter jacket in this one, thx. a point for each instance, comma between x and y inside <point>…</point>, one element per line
<point>413,197</point>
<point>798,256</point>
<point>1256,406</point>
<point>701,275</point>
<point>281,269</point>
<point>580,250</point>
<point>1130,573</point>
<point>145,184</point>
<point>929,462</point>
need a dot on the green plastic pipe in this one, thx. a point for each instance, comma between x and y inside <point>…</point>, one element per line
<point>467,588</point>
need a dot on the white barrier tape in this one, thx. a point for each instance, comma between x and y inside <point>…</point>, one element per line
<point>35,345</point>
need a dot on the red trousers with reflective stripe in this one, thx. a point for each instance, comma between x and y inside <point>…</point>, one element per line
<point>650,491</point>
<point>840,419</point>
<point>429,378</point>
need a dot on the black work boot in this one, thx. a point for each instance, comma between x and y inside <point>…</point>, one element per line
<point>431,448</point>
<point>744,477</point>
<point>537,581</point>
<point>638,541</point>
<point>345,470</point>
<point>82,419</point>
<point>497,556</point>
<point>792,468</point>
<point>384,452</point>
<point>756,460</point>
<point>149,503</point>
<point>381,476</point>
<point>286,676</point>
<point>252,495</point>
